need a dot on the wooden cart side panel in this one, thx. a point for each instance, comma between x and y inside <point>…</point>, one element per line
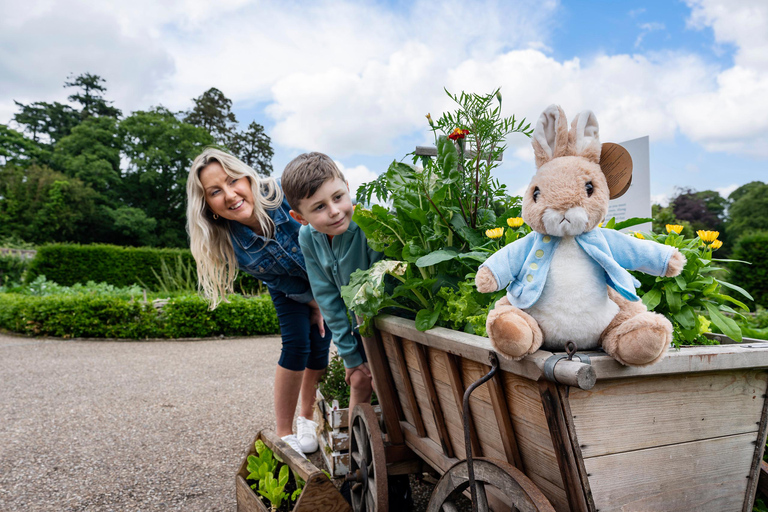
<point>420,392</point>
<point>757,458</point>
<point>385,387</point>
<point>483,416</point>
<point>390,349</point>
<point>622,415</point>
<point>676,478</point>
<point>422,357</point>
<point>447,398</point>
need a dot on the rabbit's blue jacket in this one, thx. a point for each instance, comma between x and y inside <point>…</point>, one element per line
<point>523,265</point>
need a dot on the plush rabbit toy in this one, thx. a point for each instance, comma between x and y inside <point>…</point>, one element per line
<point>566,280</point>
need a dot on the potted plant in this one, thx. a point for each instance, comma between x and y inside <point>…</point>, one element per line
<point>274,478</point>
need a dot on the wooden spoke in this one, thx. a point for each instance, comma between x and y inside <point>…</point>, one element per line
<point>367,465</point>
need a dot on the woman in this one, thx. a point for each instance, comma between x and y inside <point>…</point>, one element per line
<point>236,219</point>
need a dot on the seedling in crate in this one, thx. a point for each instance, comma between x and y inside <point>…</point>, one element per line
<point>273,488</point>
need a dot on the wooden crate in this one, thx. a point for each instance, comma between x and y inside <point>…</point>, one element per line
<point>333,433</point>
<point>319,492</point>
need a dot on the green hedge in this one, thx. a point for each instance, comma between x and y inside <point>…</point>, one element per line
<point>752,247</point>
<point>109,317</point>
<point>68,264</point>
<point>12,268</point>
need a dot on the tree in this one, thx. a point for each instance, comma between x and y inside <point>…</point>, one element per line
<point>92,153</point>
<point>213,111</point>
<point>91,97</point>
<point>17,149</point>
<point>704,210</point>
<point>253,147</point>
<point>665,215</point>
<point>40,205</point>
<point>160,149</point>
<point>749,212</point>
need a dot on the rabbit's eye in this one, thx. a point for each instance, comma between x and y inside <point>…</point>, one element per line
<point>536,194</point>
<point>589,188</point>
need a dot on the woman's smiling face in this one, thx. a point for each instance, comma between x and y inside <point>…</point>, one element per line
<point>228,197</point>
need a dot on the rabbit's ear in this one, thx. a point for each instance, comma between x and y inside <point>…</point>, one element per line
<point>550,138</point>
<point>584,138</point>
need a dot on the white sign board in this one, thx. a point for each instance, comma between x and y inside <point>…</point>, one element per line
<point>636,201</point>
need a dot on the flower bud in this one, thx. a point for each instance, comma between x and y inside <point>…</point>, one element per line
<point>429,118</point>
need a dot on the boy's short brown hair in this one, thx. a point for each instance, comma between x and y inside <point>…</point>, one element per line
<point>305,174</point>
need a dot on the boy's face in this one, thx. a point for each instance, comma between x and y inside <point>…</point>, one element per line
<point>329,210</point>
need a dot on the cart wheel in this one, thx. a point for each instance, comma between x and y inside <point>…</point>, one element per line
<point>367,462</point>
<point>510,482</point>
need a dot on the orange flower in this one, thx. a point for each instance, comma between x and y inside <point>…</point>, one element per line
<point>458,133</point>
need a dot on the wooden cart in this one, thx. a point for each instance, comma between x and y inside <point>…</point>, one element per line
<point>685,434</point>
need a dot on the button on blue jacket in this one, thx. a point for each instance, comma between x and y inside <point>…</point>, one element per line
<point>522,266</point>
<point>277,262</point>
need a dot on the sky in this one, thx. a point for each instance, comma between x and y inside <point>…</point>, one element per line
<point>354,79</point>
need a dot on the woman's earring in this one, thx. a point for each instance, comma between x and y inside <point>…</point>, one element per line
<point>215,217</point>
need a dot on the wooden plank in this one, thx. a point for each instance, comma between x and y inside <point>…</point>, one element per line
<point>706,476</point>
<point>685,360</point>
<point>428,450</point>
<point>457,387</point>
<point>667,409</point>
<point>389,347</point>
<point>407,387</point>
<point>757,458</point>
<point>434,401</point>
<point>385,387</point>
<point>578,457</point>
<point>566,458</point>
<point>504,419</point>
<point>419,391</point>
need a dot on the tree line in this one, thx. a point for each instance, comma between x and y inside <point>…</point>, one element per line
<point>84,172</point>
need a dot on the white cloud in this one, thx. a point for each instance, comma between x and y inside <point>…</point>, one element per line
<point>726,191</point>
<point>662,199</point>
<point>647,28</point>
<point>732,116</point>
<point>356,176</point>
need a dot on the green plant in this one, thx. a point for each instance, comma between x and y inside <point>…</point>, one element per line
<point>262,463</point>
<point>696,290</point>
<point>435,232</point>
<point>332,385</point>
<point>752,247</point>
<point>12,269</point>
<point>181,277</point>
<point>85,313</point>
<point>273,488</point>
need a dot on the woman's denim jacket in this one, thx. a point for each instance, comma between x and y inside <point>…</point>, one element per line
<point>277,261</point>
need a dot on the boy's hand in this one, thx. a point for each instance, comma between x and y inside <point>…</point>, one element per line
<point>360,368</point>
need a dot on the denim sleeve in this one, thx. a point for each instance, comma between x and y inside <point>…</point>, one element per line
<point>507,262</point>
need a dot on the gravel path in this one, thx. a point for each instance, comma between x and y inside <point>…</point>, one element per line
<point>102,425</point>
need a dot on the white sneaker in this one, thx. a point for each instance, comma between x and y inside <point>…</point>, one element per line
<point>293,442</point>
<point>306,432</point>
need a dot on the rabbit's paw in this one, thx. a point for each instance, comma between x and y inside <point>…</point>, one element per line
<point>512,334</point>
<point>639,341</point>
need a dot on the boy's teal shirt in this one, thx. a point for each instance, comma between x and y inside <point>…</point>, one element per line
<point>329,265</point>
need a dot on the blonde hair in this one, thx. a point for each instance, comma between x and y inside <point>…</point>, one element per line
<point>210,240</point>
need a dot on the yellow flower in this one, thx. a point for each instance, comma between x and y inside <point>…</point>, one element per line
<point>716,244</point>
<point>515,222</point>
<point>494,233</point>
<point>708,236</point>
<point>639,235</point>
<point>600,225</point>
<point>677,228</point>
<point>429,118</point>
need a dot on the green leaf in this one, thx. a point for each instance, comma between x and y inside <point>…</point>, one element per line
<point>634,221</point>
<point>436,257</point>
<point>686,317</point>
<point>725,324</point>
<point>426,318</point>
<point>681,283</point>
<point>610,223</point>
<point>737,288</point>
<point>728,298</point>
<point>673,298</point>
<point>652,298</point>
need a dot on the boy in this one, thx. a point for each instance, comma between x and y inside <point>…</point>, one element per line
<point>333,248</point>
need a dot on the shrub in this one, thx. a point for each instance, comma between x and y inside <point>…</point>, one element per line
<point>98,316</point>
<point>12,268</point>
<point>157,269</point>
<point>752,247</point>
